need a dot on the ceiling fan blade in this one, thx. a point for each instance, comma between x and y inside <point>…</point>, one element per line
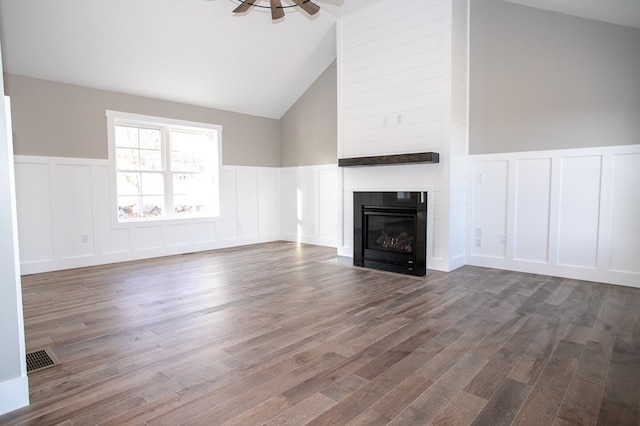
<point>277,11</point>
<point>310,7</point>
<point>246,5</point>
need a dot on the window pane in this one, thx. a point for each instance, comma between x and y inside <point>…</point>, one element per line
<point>150,160</point>
<point>193,193</point>
<point>152,184</point>
<point>152,206</point>
<point>185,206</point>
<point>192,152</point>
<point>183,162</point>
<point>128,184</point>
<point>127,159</point>
<point>150,139</point>
<point>189,183</point>
<point>128,208</point>
<point>127,136</point>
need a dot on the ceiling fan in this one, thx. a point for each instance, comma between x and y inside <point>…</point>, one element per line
<point>277,9</point>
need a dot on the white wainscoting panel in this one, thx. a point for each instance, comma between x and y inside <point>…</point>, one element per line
<point>328,195</point>
<point>533,186</point>
<point>112,241</point>
<point>178,235</point>
<point>625,214</point>
<point>73,197</point>
<point>579,215</point>
<point>147,237</point>
<point>308,204</point>
<point>65,216</point>
<point>35,211</point>
<point>247,185</point>
<point>489,199</point>
<point>569,213</point>
<point>227,223</point>
<point>289,201</point>
<point>204,232</point>
<point>269,202</point>
<point>308,208</point>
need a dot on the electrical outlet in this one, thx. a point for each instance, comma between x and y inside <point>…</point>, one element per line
<point>478,242</point>
<point>503,239</point>
<point>478,232</point>
<point>84,238</point>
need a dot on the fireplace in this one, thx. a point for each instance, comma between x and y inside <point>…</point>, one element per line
<point>389,231</point>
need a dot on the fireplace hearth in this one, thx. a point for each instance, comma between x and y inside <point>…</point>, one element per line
<point>390,231</point>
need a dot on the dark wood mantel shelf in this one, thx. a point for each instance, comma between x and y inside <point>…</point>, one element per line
<point>380,160</point>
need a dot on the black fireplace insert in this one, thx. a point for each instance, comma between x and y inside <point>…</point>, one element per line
<point>389,231</point>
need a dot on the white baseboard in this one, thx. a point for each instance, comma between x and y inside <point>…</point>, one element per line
<point>628,279</point>
<point>104,259</point>
<point>457,262</point>
<point>14,394</point>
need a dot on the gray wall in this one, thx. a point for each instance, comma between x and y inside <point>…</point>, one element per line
<point>309,129</point>
<point>62,120</point>
<point>543,80</point>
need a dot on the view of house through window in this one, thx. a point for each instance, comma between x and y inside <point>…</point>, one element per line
<point>164,170</point>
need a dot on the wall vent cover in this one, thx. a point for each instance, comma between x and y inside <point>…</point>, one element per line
<point>39,360</point>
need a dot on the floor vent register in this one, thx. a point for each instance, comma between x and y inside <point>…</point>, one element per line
<point>39,360</point>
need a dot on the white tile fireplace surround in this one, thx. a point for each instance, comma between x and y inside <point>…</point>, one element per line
<point>409,177</point>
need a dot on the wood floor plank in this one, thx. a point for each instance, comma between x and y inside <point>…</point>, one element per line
<point>282,333</point>
<point>547,393</point>
<point>489,379</point>
<point>461,411</point>
<point>581,403</point>
<point>145,412</point>
<point>399,398</point>
<point>345,387</point>
<point>504,405</point>
<point>303,412</point>
<point>222,407</point>
<point>437,397</point>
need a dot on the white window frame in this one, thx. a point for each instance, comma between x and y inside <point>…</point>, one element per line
<point>116,118</point>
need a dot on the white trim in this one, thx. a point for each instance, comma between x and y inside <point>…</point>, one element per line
<point>155,120</point>
<point>163,124</point>
<point>127,256</point>
<point>72,161</point>
<point>573,152</point>
<point>14,394</point>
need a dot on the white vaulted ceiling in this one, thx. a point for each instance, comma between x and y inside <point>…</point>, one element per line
<point>621,12</point>
<point>191,51</point>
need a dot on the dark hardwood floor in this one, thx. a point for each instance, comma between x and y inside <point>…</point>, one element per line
<point>284,334</point>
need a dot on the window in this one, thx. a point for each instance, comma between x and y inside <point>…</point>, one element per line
<point>164,169</point>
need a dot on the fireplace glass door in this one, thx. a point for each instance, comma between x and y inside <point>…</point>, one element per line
<point>390,231</point>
